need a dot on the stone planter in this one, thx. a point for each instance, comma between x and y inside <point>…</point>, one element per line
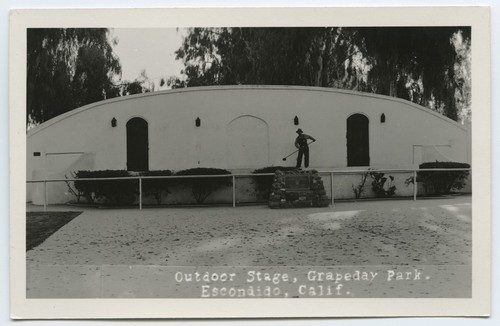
<point>294,189</point>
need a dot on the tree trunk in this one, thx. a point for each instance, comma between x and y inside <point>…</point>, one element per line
<point>325,82</point>
<point>319,72</point>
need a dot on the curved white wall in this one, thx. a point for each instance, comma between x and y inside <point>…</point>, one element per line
<point>241,127</point>
<point>247,137</point>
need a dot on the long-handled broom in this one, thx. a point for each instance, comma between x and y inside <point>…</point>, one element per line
<point>284,158</point>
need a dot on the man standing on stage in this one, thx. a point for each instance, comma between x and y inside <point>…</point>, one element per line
<point>303,146</point>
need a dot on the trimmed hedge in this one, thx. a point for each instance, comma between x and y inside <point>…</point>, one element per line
<point>442,182</point>
<point>114,192</point>
<point>157,187</point>
<point>124,192</point>
<point>201,188</point>
<point>85,189</point>
<point>265,183</point>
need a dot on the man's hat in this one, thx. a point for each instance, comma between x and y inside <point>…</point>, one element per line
<point>299,131</point>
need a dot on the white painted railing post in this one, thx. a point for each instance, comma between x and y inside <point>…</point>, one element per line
<point>44,195</point>
<point>331,185</point>
<point>415,187</point>
<point>140,193</point>
<point>234,191</point>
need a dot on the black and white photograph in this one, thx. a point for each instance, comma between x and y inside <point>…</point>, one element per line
<point>302,164</point>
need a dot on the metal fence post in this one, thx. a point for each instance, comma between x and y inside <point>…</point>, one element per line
<point>331,186</point>
<point>140,193</point>
<point>234,191</point>
<point>44,196</point>
<point>415,185</point>
<point>45,181</point>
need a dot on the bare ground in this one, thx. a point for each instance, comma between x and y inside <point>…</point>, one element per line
<point>132,253</point>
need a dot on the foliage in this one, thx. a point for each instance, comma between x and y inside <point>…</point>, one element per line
<point>409,181</point>
<point>71,189</point>
<point>360,187</point>
<point>426,65</point>
<point>265,183</point>
<point>273,56</point>
<point>382,186</point>
<point>201,188</point>
<point>114,192</point>
<point>140,85</point>
<point>117,192</point>
<point>442,182</point>
<point>419,64</point>
<point>87,189</point>
<point>157,187</point>
<point>68,68</point>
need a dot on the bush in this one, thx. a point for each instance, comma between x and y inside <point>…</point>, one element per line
<point>86,189</point>
<point>117,192</point>
<point>78,193</point>
<point>201,188</point>
<point>157,187</point>
<point>382,186</point>
<point>265,182</point>
<point>114,192</point>
<point>360,187</point>
<point>442,182</point>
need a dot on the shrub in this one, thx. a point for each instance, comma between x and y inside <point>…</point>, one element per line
<point>114,192</point>
<point>360,187</point>
<point>157,187</point>
<point>201,188</point>
<point>382,186</point>
<point>265,182</point>
<point>442,182</point>
<point>86,189</point>
<point>117,192</point>
<point>72,189</point>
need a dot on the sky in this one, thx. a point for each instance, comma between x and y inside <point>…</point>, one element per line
<point>150,49</point>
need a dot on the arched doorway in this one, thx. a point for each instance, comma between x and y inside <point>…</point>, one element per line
<point>137,145</point>
<point>358,143</point>
<point>247,142</point>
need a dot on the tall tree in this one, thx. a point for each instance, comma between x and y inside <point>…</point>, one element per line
<point>416,63</point>
<point>140,85</point>
<point>293,56</point>
<point>429,66</point>
<point>68,68</point>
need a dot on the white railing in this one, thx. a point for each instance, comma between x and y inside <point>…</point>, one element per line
<point>234,176</point>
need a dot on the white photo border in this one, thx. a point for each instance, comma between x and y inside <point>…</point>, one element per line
<point>476,17</point>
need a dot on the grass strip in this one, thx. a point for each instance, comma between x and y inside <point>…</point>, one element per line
<point>41,225</point>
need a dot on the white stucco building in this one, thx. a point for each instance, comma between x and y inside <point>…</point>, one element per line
<point>240,128</point>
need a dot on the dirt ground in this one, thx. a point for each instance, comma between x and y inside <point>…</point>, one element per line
<point>387,233</point>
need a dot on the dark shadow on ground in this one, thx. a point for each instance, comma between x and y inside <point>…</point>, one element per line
<point>41,225</point>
